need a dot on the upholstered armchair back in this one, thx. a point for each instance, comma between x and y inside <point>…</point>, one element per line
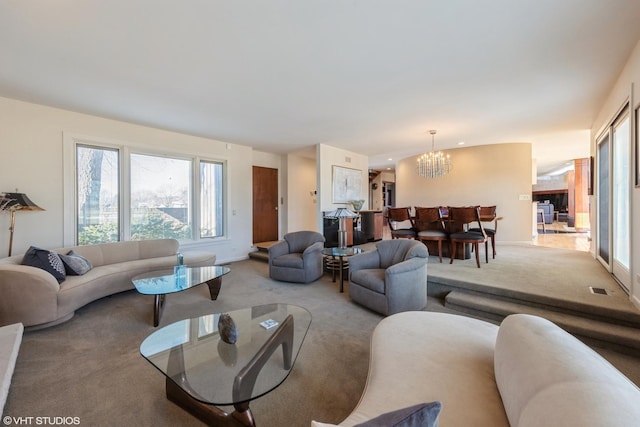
<point>298,241</point>
<point>394,251</point>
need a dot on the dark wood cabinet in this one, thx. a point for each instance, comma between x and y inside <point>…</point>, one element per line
<point>371,224</point>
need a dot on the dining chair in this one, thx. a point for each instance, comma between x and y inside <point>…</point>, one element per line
<point>540,220</point>
<point>488,214</point>
<point>401,223</point>
<point>430,227</point>
<point>459,219</point>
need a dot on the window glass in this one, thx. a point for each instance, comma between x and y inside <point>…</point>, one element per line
<point>160,205</point>
<point>211,200</point>
<point>98,197</point>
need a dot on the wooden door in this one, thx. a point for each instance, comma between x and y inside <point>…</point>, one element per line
<point>265,204</point>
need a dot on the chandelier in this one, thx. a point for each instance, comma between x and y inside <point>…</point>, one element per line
<point>433,164</point>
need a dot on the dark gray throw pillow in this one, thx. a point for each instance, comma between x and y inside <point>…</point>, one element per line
<point>47,260</point>
<point>421,415</point>
<point>75,265</point>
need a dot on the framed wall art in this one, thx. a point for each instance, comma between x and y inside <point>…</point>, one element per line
<point>346,184</point>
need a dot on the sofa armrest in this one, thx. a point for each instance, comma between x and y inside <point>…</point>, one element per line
<point>29,295</point>
<point>412,264</point>
<point>538,364</point>
<point>316,247</point>
<point>277,249</point>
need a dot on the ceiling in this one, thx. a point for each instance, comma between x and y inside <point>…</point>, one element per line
<point>369,76</point>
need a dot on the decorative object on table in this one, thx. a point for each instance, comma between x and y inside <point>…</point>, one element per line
<point>433,164</point>
<point>357,204</point>
<point>180,273</point>
<point>342,214</point>
<point>228,353</point>
<point>180,259</point>
<point>346,184</point>
<point>268,324</point>
<point>13,202</point>
<point>227,329</point>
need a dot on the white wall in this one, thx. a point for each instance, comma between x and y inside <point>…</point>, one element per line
<point>31,138</point>
<point>301,205</point>
<point>485,175</point>
<point>326,158</point>
<point>619,94</point>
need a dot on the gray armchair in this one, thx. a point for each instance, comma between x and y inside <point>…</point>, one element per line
<point>392,278</point>
<point>297,258</point>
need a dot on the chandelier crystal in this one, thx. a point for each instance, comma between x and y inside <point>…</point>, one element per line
<point>433,164</point>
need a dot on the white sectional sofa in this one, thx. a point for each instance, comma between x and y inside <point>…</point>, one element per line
<point>33,297</point>
<point>527,372</point>
<point>10,340</point>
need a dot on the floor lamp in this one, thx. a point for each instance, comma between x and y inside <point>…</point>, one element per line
<point>17,202</point>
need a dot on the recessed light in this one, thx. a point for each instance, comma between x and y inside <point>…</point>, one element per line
<point>388,169</point>
<point>461,143</point>
<point>389,159</point>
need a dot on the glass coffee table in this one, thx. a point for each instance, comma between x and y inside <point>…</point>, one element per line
<point>341,254</point>
<point>163,282</point>
<point>203,371</point>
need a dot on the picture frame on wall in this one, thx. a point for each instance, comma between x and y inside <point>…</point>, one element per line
<point>346,184</point>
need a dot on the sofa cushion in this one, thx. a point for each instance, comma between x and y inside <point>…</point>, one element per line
<point>370,278</point>
<point>293,260</point>
<point>548,377</point>
<point>74,264</point>
<point>46,260</point>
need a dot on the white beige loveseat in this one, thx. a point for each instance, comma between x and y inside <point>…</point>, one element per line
<point>33,297</point>
<point>527,372</point>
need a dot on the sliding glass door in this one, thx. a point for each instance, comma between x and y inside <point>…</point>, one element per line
<point>614,165</point>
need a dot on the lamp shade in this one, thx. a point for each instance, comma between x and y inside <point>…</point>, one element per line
<point>20,201</point>
<point>341,213</point>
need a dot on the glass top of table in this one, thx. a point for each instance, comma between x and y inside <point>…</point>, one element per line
<point>341,251</point>
<point>177,279</point>
<point>191,353</point>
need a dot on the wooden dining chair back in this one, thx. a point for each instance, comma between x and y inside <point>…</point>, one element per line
<point>430,227</point>
<point>462,219</point>
<point>488,214</point>
<point>401,223</point>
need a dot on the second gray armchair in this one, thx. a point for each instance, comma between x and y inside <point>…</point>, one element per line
<point>297,258</point>
<point>392,278</point>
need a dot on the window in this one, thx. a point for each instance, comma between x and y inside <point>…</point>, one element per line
<point>211,224</point>
<point>98,195</point>
<point>149,196</point>
<point>160,189</point>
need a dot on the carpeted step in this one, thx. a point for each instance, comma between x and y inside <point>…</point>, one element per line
<point>615,309</point>
<point>259,255</point>
<point>604,331</point>
<point>262,254</point>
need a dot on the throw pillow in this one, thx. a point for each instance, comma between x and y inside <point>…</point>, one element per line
<point>75,265</point>
<point>47,260</point>
<point>421,415</point>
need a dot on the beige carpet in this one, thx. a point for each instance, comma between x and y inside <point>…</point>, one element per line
<point>90,367</point>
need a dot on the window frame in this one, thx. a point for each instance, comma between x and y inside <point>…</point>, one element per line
<point>125,149</point>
